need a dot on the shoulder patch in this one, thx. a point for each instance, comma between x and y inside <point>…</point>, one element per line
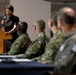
<point>74,47</point>
<point>61,48</point>
<point>39,42</point>
<point>16,46</point>
<point>34,48</point>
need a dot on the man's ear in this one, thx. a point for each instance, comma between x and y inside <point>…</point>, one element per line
<point>61,22</point>
<point>35,27</point>
<point>51,24</point>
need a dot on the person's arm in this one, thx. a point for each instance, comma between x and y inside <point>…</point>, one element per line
<point>12,30</point>
<point>3,22</point>
<point>65,61</point>
<point>14,27</point>
<point>20,45</point>
<point>16,47</point>
<point>34,50</point>
<point>51,49</point>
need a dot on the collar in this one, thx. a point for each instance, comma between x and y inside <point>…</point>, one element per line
<point>40,35</point>
<point>69,34</point>
<point>58,31</point>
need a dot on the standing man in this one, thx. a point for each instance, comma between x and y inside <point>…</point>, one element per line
<point>10,24</point>
<point>38,45</point>
<point>65,59</point>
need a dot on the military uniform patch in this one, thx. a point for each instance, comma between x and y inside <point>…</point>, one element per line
<point>74,48</point>
<point>39,42</point>
<point>64,56</point>
<point>16,46</point>
<point>35,47</point>
<point>61,48</point>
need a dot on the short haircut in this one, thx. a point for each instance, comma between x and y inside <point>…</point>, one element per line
<point>22,27</point>
<point>66,18</point>
<point>10,7</point>
<point>53,17</point>
<point>41,24</point>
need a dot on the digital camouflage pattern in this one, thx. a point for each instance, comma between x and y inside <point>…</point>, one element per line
<point>51,48</point>
<point>37,47</point>
<point>66,57</point>
<point>20,45</point>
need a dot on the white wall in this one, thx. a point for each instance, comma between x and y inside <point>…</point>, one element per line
<point>57,6</point>
<point>31,10</point>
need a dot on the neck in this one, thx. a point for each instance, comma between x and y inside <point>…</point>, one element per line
<point>38,33</point>
<point>10,15</point>
<point>68,28</point>
<point>20,33</point>
<point>55,29</point>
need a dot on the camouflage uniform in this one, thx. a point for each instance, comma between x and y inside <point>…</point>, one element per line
<point>51,48</point>
<point>20,45</point>
<point>37,47</point>
<point>66,57</point>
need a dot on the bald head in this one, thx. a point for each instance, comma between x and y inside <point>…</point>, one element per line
<point>69,11</point>
<point>67,14</point>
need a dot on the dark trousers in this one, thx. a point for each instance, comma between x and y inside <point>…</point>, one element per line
<point>7,45</point>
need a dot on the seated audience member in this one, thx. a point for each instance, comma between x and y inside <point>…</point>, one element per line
<point>22,42</point>
<point>37,46</point>
<point>65,59</point>
<point>55,42</point>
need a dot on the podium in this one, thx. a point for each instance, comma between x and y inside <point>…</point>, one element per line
<point>3,37</point>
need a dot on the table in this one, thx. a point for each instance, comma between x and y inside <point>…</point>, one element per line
<point>24,68</point>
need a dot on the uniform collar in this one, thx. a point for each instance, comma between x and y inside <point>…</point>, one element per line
<point>58,31</point>
<point>41,34</point>
<point>69,34</point>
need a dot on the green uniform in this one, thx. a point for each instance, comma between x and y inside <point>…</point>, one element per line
<point>51,48</point>
<point>66,56</point>
<point>20,45</point>
<point>37,47</point>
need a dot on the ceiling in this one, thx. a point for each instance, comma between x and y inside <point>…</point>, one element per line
<point>64,1</point>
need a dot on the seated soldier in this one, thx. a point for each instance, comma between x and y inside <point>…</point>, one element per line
<point>52,47</point>
<point>37,46</point>
<point>22,42</point>
<point>65,59</point>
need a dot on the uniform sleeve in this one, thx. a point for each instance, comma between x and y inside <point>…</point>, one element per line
<point>16,20</point>
<point>37,58</point>
<point>51,50</point>
<point>65,61</point>
<point>16,47</point>
<point>34,50</point>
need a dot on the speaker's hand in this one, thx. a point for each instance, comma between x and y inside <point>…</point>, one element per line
<point>3,22</point>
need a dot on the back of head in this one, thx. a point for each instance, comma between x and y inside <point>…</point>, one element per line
<point>41,24</point>
<point>10,7</point>
<point>67,14</point>
<point>22,27</point>
<point>53,18</point>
